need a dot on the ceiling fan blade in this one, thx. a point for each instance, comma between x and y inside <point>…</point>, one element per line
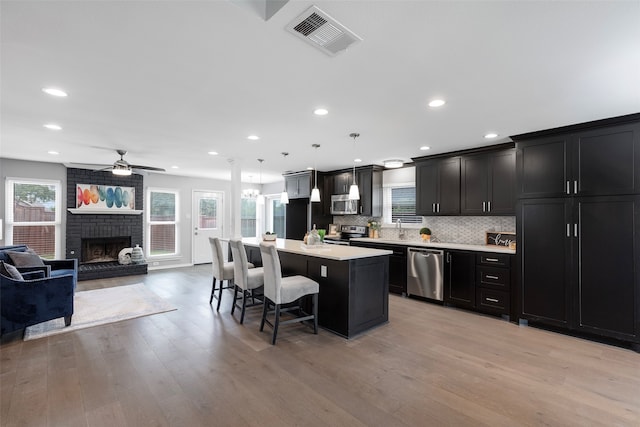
<point>148,168</point>
<point>94,165</point>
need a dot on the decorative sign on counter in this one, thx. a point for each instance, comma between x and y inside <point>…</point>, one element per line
<point>500,238</point>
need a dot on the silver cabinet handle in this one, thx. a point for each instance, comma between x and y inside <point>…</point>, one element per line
<point>568,230</point>
<point>575,187</point>
<point>492,299</point>
<point>492,277</point>
<point>488,206</point>
<point>483,206</point>
<point>433,207</point>
<point>360,208</point>
<point>568,188</point>
<point>575,230</point>
<point>438,206</point>
<point>492,259</point>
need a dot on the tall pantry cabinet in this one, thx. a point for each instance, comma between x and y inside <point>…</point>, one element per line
<point>578,216</point>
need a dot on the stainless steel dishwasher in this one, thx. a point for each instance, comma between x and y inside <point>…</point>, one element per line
<point>425,271</point>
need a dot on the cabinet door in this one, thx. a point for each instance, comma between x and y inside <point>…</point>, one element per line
<point>542,167</point>
<point>449,186</point>
<point>304,185</point>
<point>544,247</point>
<point>291,184</point>
<point>502,183</point>
<point>364,177</point>
<point>426,187</point>
<point>606,161</point>
<point>608,266</point>
<point>460,278</point>
<point>341,182</point>
<point>474,182</point>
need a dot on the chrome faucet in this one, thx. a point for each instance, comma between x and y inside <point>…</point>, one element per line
<point>401,234</point>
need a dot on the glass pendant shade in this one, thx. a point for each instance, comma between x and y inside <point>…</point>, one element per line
<point>284,197</point>
<point>315,195</point>
<point>354,192</point>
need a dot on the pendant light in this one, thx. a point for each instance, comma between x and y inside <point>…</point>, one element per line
<point>354,192</point>
<point>284,197</point>
<point>260,198</point>
<point>315,193</point>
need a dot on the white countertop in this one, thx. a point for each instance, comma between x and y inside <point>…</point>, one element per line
<point>335,252</point>
<point>460,246</point>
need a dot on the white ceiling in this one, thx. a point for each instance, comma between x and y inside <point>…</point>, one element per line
<point>171,80</point>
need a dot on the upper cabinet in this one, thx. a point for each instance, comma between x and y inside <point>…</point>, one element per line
<point>341,182</point>
<point>369,181</point>
<point>438,186</point>
<point>298,185</point>
<point>589,162</point>
<point>488,183</point>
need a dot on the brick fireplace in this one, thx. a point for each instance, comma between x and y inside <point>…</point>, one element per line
<point>96,239</point>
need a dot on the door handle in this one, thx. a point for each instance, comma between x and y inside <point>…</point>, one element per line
<point>433,207</point>
<point>568,230</point>
<point>488,206</point>
<point>438,206</point>
<point>483,206</point>
<point>575,230</point>
<point>568,188</point>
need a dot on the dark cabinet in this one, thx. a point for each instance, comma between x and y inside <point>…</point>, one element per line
<point>298,185</point>
<point>460,278</point>
<point>579,263</point>
<point>592,162</point>
<point>438,187</point>
<point>488,183</point>
<point>342,182</point>
<point>369,181</point>
<point>397,264</point>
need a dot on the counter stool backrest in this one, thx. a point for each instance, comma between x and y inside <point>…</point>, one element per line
<point>218,259</point>
<point>272,271</point>
<point>240,263</point>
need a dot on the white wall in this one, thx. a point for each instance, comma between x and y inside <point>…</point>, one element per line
<point>10,168</point>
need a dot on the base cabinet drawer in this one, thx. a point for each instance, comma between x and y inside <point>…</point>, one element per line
<point>492,301</point>
<point>495,278</point>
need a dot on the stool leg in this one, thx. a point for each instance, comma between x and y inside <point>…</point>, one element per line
<point>235,298</point>
<point>219,294</point>
<point>244,305</point>
<point>264,313</point>
<point>315,314</point>
<point>213,290</point>
<point>276,322</point>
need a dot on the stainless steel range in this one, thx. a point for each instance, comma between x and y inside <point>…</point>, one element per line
<point>347,232</point>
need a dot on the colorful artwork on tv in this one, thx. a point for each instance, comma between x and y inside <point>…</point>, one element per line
<point>105,197</point>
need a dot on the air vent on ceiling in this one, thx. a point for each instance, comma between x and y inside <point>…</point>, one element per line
<point>322,31</point>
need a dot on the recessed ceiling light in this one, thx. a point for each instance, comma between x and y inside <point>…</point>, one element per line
<point>357,160</point>
<point>53,153</point>
<point>437,103</point>
<point>320,111</point>
<point>54,91</point>
<point>53,126</point>
<point>491,135</point>
<point>309,168</point>
<point>253,137</point>
<point>425,148</point>
<point>174,167</point>
<point>393,164</point>
<point>213,153</point>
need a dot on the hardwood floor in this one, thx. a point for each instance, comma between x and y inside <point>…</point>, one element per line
<point>430,365</point>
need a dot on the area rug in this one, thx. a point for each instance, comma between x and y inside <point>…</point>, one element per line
<point>102,306</point>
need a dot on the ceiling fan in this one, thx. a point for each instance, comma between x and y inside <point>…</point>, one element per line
<point>122,167</point>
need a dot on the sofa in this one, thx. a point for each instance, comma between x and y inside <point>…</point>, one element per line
<point>34,294</point>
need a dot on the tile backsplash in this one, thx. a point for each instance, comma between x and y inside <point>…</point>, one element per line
<point>450,229</point>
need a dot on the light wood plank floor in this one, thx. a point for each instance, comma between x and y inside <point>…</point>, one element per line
<point>430,366</point>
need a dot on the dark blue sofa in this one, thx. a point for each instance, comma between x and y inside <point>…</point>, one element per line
<point>33,301</point>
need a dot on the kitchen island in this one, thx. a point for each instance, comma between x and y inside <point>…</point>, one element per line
<point>354,282</point>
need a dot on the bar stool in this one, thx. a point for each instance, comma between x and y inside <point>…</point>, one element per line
<point>280,291</point>
<point>221,271</point>
<point>245,279</point>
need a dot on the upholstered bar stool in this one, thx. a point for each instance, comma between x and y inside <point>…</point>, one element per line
<point>245,279</point>
<point>221,271</point>
<point>281,291</point>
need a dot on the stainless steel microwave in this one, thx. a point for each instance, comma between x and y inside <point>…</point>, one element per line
<point>341,205</point>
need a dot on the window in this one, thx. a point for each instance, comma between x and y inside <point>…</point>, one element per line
<point>399,197</point>
<point>248,217</point>
<point>403,205</point>
<point>275,215</point>
<point>34,215</point>
<point>162,223</point>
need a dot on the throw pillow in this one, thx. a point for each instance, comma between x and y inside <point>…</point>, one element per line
<point>9,270</point>
<point>25,259</point>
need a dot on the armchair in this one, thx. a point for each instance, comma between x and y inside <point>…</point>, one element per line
<point>52,268</point>
<point>29,302</point>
